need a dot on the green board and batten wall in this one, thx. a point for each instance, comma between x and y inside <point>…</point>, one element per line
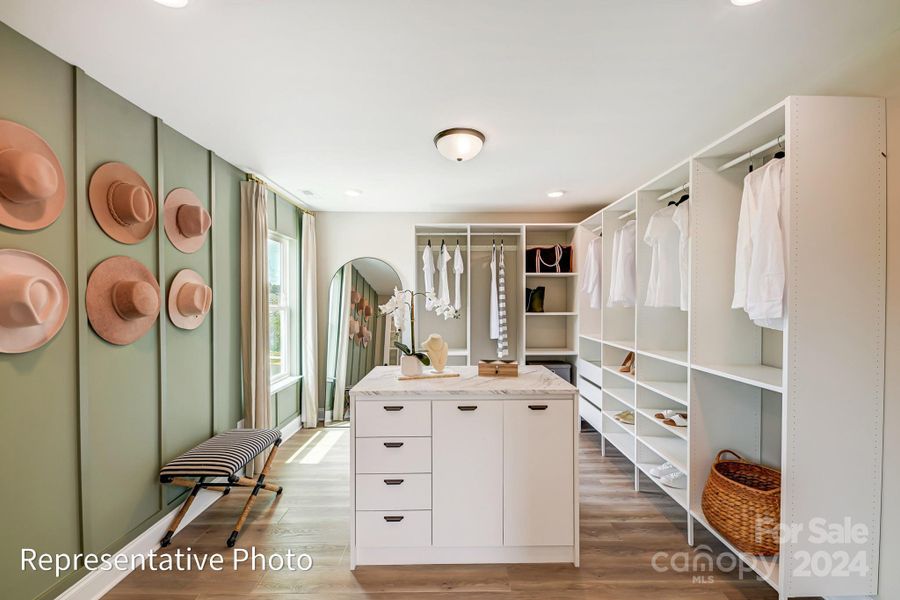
<point>87,424</point>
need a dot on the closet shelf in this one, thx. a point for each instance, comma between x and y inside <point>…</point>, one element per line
<point>673,450</point>
<point>550,352</point>
<point>678,495</point>
<point>762,376</point>
<point>767,567</point>
<point>673,390</point>
<point>678,357</point>
<point>623,442</point>
<point>621,344</point>
<point>623,395</point>
<point>615,371</point>
<point>550,275</point>
<point>592,337</point>
<point>629,429</point>
<point>649,414</point>
<point>551,314</point>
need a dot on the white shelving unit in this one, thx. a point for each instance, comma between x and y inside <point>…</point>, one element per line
<point>551,335</point>
<point>808,401</point>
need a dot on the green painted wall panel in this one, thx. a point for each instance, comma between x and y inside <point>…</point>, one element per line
<point>121,382</point>
<point>187,415</point>
<point>38,390</point>
<point>287,219</point>
<point>287,405</point>
<point>226,285</point>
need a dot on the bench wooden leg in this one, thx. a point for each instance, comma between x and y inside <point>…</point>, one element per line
<point>259,484</point>
<point>184,508</point>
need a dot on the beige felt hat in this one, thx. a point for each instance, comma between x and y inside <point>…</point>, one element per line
<point>34,301</point>
<point>32,185</point>
<point>122,300</point>
<point>187,222</point>
<point>353,327</point>
<point>189,299</point>
<point>122,203</point>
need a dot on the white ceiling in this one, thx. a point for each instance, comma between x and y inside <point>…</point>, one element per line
<point>592,96</point>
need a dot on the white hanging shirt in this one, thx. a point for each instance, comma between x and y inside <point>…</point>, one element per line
<point>495,305</point>
<point>623,279</point>
<point>428,270</point>
<point>663,237</point>
<point>444,283</point>
<point>592,265</point>
<point>759,269</point>
<point>682,219</point>
<point>458,268</point>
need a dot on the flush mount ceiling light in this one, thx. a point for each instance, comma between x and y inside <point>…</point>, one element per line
<point>173,3</point>
<point>459,143</point>
<point>744,2</point>
<point>556,194</point>
<point>353,193</point>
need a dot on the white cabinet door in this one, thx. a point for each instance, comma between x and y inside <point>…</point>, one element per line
<point>538,473</point>
<point>467,466</point>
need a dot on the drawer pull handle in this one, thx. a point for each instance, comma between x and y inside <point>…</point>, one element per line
<point>393,481</point>
<point>537,406</point>
<point>393,519</point>
<point>393,408</point>
<point>393,444</point>
<point>467,408</point>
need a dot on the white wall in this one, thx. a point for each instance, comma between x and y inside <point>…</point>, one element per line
<point>889,588</point>
<point>342,237</point>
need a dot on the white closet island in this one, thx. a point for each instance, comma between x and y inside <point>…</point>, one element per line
<point>463,470</point>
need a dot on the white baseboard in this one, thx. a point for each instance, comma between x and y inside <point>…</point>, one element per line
<point>97,583</point>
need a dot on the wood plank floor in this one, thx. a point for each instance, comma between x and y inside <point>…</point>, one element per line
<point>621,531</point>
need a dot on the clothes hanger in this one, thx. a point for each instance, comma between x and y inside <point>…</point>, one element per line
<point>780,153</point>
<point>682,199</point>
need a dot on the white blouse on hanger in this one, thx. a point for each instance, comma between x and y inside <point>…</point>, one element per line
<point>428,270</point>
<point>458,268</point>
<point>759,270</point>
<point>663,237</point>
<point>592,265</point>
<point>623,289</point>
<point>444,282</point>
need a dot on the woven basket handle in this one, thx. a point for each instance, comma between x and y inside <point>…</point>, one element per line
<point>732,452</point>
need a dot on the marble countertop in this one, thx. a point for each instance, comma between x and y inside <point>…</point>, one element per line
<point>533,380</point>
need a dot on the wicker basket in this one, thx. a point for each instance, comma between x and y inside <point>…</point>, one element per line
<point>742,501</point>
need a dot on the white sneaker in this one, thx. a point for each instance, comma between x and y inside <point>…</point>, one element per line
<point>662,470</point>
<point>676,480</point>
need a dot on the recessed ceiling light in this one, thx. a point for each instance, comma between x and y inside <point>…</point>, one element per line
<point>353,193</point>
<point>556,194</point>
<point>744,2</point>
<point>173,3</point>
<point>459,143</point>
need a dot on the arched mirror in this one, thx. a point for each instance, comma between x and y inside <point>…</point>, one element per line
<point>359,337</point>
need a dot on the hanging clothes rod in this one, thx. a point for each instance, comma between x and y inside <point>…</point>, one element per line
<point>628,214</point>
<point>497,234</point>
<point>442,233</point>
<point>597,228</point>
<point>682,188</point>
<point>755,152</point>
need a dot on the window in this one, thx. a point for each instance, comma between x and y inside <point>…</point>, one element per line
<point>281,326</point>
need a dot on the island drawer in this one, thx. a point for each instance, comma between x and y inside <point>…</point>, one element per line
<point>403,491</point>
<point>378,418</point>
<point>393,529</point>
<point>393,455</point>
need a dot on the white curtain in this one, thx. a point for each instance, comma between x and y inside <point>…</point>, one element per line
<point>255,312</point>
<point>309,350</point>
<point>343,341</point>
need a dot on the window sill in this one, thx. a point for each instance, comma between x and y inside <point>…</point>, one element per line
<point>284,383</point>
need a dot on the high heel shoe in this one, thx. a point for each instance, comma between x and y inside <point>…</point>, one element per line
<point>628,363</point>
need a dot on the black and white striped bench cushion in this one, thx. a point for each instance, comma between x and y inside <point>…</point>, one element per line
<point>221,456</point>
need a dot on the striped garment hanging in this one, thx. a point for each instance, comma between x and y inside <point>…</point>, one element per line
<point>502,341</point>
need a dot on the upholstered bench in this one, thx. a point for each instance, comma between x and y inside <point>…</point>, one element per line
<point>222,456</point>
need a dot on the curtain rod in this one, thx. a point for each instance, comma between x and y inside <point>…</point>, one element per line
<point>748,155</point>
<point>280,191</point>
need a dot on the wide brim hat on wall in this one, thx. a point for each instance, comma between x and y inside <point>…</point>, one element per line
<point>122,300</point>
<point>34,301</point>
<point>122,203</point>
<point>189,300</point>
<point>187,223</point>
<point>354,297</point>
<point>32,184</point>
<point>353,327</point>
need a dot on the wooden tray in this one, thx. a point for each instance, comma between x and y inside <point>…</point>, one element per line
<point>498,368</point>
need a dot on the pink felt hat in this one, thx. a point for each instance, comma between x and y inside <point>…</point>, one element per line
<point>34,301</point>
<point>122,203</point>
<point>122,300</point>
<point>189,299</point>
<point>353,327</point>
<point>354,297</point>
<point>32,185</point>
<point>187,222</point>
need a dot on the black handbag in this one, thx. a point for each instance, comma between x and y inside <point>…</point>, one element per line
<point>552,259</point>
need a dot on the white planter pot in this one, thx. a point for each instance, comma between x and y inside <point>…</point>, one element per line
<point>410,365</point>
